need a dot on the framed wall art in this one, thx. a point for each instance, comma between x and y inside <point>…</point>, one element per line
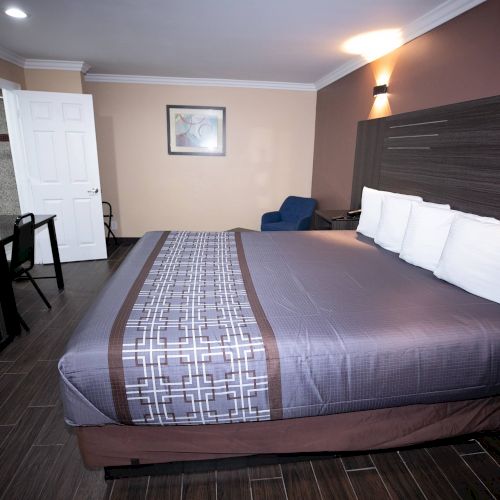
<point>196,130</point>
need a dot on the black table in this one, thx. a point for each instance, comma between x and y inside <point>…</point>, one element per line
<point>7,300</point>
<point>334,219</point>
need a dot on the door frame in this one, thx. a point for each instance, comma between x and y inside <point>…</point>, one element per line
<point>18,152</point>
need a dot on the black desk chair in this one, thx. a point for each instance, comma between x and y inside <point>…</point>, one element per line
<point>107,223</point>
<point>23,255</point>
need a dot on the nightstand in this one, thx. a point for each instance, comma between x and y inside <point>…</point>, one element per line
<point>334,219</point>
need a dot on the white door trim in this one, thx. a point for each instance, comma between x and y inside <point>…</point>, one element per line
<point>8,85</point>
<point>18,152</point>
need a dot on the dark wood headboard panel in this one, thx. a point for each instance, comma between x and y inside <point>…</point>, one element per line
<point>449,154</point>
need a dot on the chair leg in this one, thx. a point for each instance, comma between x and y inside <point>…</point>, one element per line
<point>23,323</point>
<point>37,288</point>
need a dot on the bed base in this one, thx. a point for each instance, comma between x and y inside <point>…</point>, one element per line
<point>118,446</point>
<point>232,463</point>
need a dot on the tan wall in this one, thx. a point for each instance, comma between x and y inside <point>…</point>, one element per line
<point>455,62</point>
<point>270,136</point>
<point>50,80</point>
<point>12,72</point>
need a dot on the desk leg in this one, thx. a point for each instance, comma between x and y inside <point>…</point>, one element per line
<point>7,298</point>
<point>55,255</point>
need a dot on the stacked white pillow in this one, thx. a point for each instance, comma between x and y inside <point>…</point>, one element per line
<point>371,205</point>
<point>471,256</point>
<point>461,248</point>
<point>394,220</point>
<point>426,234</point>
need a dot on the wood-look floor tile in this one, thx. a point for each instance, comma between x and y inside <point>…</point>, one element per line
<point>20,439</point>
<point>270,471</point>
<point>166,487</point>
<point>354,462</point>
<point>332,479</point>
<point>40,385</point>
<point>65,474</point>
<point>487,470</point>
<point>397,478</point>
<point>199,486</point>
<point>368,484</point>
<point>268,489</point>
<point>92,486</point>
<point>463,480</point>
<point>492,445</point>
<point>54,431</point>
<point>51,346</point>
<point>131,488</point>
<point>5,365</point>
<point>467,447</point>
<point>49,392</point>
<point>5,430</point>
<point>33,472</point>
<point>300,482</point>
<point>428,476</point>
<point>233,484</point>
<point>55,340</point>
<point>9,383</point>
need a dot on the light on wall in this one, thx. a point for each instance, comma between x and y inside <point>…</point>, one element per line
<point>374,44</point>
<point>380,89</point>
<point>381,106</point>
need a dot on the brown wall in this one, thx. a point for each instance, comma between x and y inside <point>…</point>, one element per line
<point>270,140</point>
<point>455,62</point>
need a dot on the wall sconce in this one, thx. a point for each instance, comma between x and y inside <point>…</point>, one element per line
<point>380,89</point>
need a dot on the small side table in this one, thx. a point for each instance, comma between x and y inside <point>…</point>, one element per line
<point>334,219</point>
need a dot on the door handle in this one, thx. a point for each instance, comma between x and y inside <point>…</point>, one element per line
<point>93,191</point>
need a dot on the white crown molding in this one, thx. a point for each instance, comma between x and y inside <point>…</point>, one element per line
<point>12,57</point>
<point>80,66</point>
<point>199,82</point>
<point>435,17</point>
<point>22,62</point>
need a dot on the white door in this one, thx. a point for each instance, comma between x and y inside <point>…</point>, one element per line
<point>57,171</point>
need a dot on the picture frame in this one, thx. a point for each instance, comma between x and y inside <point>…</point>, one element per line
<point>196,130</point>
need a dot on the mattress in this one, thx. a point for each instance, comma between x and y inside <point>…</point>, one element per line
<point>213,328</point>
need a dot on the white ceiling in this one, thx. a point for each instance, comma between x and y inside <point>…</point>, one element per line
<point>268,40</point>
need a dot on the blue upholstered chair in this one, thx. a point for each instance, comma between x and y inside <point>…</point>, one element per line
<point>294,215</point>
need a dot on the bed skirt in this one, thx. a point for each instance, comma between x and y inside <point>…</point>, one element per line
<point>119,445</point>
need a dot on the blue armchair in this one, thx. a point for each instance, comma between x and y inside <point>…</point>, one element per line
<point>294,215</point>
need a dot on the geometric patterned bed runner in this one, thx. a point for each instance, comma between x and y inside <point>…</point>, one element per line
<point>192,349</point>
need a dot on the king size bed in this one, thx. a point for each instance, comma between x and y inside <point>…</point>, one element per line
<point>208,345</point>
<point>322,332</point>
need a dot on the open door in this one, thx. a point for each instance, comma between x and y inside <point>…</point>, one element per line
<point>57,172</point>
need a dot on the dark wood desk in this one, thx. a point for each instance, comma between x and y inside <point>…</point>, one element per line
<point>7,298</point>
<point>334,219</point>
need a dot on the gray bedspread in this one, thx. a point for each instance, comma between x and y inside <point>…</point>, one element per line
<point>202,328</point>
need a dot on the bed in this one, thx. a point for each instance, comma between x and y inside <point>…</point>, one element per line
<point>204,345</point>
<point>210,345</point>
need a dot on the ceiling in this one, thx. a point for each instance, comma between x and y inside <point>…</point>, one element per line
<point>268,40</point>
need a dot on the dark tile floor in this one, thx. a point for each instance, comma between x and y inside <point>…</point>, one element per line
<point>39,458</point>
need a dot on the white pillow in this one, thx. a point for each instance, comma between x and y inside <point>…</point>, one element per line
<point>371,205</point>
<point>393,220</point>
<point>471,256</point>
<point>426,233</point>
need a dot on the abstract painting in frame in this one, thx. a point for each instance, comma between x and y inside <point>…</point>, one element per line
<point>196,130</point>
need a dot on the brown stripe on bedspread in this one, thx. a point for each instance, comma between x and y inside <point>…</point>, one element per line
<point>270,344</point>
<point>115,349</point>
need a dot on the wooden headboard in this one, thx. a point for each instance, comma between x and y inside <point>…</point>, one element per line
<point>449,154</point>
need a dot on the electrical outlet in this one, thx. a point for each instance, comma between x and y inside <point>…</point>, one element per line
<point>114,225</point>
